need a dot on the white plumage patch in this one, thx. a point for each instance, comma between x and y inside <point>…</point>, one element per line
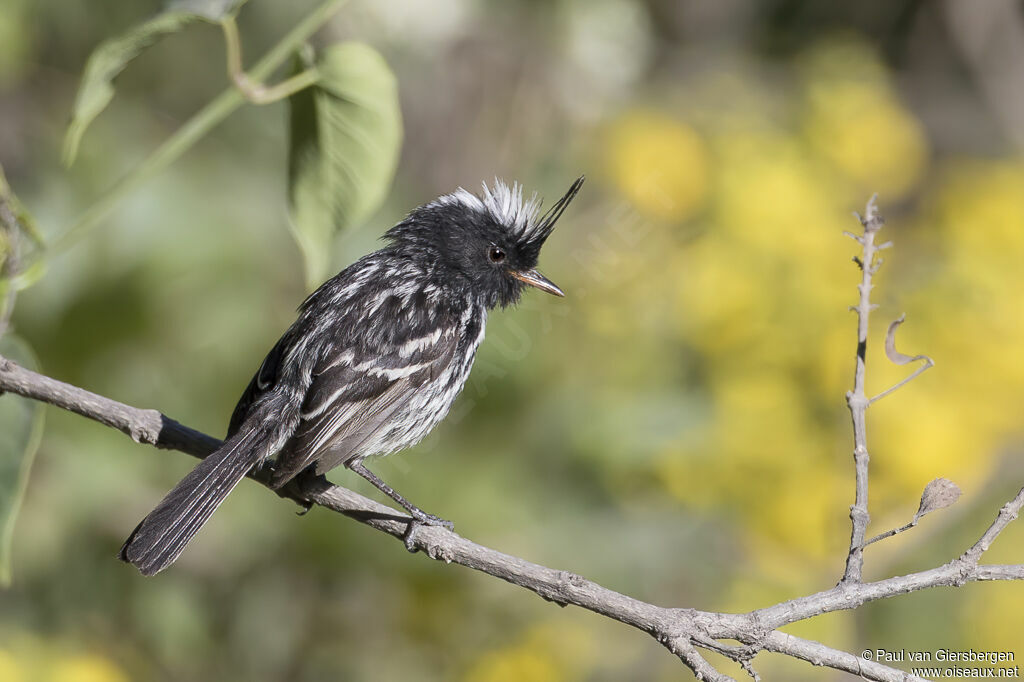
<point>504,204</point>
<point>410,347</point>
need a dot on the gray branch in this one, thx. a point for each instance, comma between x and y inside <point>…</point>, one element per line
<point>856,399</point>
<point>682,631</point>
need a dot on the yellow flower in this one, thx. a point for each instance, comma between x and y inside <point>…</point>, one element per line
<point>980,211</point>
<point>854,120</point>
<point>10,670</point>
<point>869,136</point>
<point>87,668</point>
<point>513,665</point>
<point>545,651</point>
<point>658,163</point>
<point>996,617</point>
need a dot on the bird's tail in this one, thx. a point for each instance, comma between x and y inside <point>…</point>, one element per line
<point>161,537</point>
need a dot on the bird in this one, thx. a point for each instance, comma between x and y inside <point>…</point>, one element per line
<point>374,360</point>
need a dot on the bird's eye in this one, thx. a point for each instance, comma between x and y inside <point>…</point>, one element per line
<point>496,254</point>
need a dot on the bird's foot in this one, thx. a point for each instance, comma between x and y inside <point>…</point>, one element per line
<point>426,519</point>
<point>421,518</point>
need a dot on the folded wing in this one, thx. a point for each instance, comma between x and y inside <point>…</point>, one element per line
<point>353,398</point>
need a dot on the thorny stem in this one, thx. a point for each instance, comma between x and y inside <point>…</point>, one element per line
<point>856,399</point>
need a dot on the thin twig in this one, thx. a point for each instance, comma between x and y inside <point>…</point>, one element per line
<point>702,670</point>
<point>197,127</point>
<point>1007,514</point>
<point>899,358</point>
<point>856,400</point>
<point>253,90</point>
<point>819,654</point>
<point>893,531</point>
<point>940,493</point>
<point>925,365</point>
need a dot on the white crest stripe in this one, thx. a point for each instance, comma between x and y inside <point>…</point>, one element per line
<point>505,205</point>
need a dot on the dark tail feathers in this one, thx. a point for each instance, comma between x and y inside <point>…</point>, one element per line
<point>161,537</point>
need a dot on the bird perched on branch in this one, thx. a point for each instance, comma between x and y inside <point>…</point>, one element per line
<point>373,362</point>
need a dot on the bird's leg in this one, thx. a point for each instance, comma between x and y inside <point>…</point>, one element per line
<point>418,515</point>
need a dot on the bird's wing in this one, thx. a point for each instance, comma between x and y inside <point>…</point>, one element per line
<point>262,381</point>
<point>352,397</point>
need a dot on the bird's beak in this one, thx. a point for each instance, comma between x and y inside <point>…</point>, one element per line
<point>535,279</point>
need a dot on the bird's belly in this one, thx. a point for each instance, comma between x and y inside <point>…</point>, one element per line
<point>410,425</point>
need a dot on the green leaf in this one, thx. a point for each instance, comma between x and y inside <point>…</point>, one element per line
<point>21,427</point>
<point>111,57</point>
<point>346,132</point>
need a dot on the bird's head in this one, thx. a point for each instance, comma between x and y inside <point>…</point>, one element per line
<point>485,244</point>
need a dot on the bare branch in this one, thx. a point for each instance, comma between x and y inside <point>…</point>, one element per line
<point>142,426</point>
<point>957,572</point>
<point>681,631</point>
<point>1007,514</point>
<point>856,400</point>
<point>153,428</point>
<point>684,632</point>
<point>700,667</point>
<point>893,531</point>
<point>819,654</point>
<point>1000,572</point>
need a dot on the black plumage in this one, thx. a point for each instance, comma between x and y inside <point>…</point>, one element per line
<point>373,362</point>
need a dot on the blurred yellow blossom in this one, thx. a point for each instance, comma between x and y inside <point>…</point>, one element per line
<point>861,127</point>
<point>996,616</point>
<point>658,163</point>
<point>717,299</point>
<point>544,651</point>
<point>87,668</point>
<point>30,659</point>
<point>980,212</point>
<point>514,664</point>
<point>10,670</point>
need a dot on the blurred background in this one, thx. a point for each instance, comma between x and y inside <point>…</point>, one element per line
<point>674,429</point>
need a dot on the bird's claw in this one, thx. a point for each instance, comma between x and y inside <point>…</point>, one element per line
<point>410,535</point>
<point>421,518</point>
<point>425,519</point>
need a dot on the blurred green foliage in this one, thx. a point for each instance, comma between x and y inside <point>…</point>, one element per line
<point>21,427</point>
<point>111,57</point>
<point>675,428</point>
